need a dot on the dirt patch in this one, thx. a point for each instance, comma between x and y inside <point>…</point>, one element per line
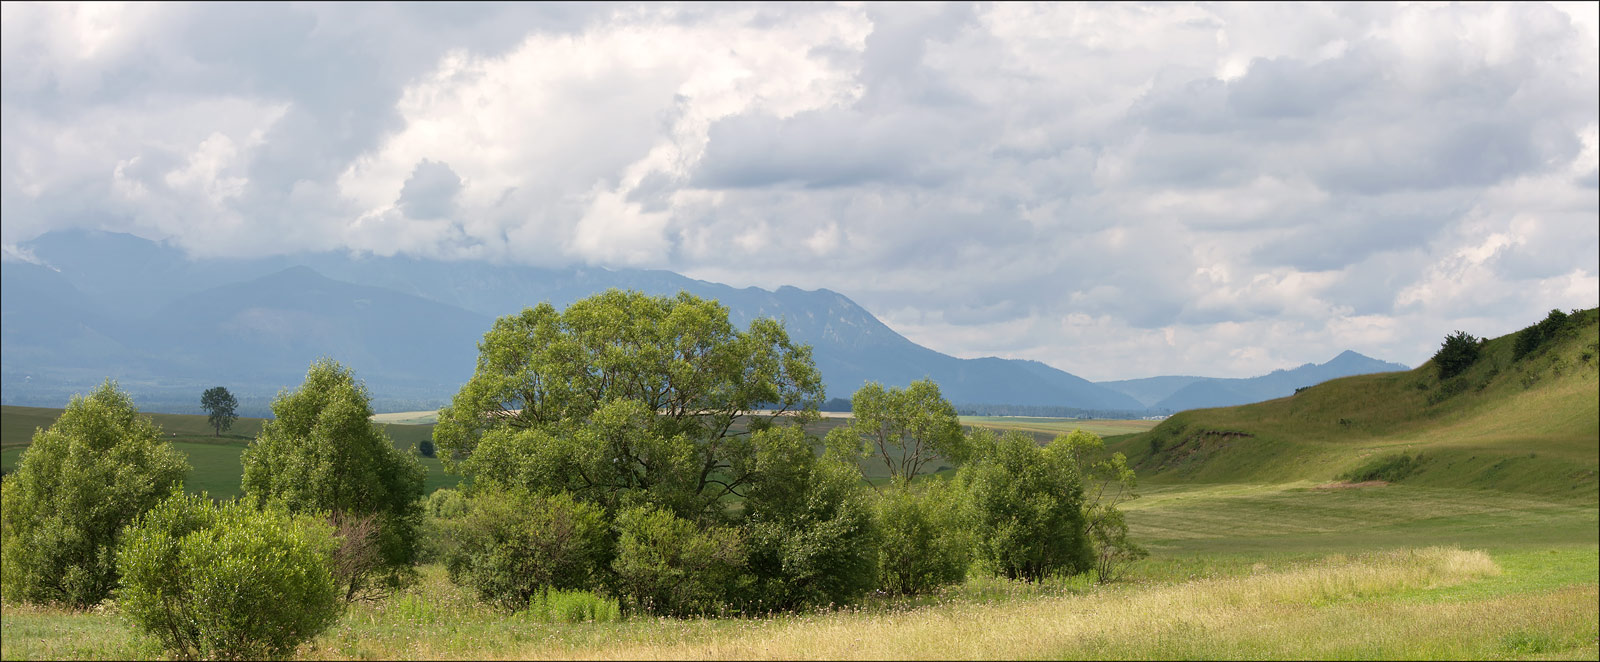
<point>1346,486</point>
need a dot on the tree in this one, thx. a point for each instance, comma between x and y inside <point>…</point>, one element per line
<point>1027,507</point>
<point>639,404</point>
<point>322,453</point>
<point>78,484</point>
<point>1109,482</point>
<point>905,428</point>
<point>220,404</point>
<point>228,581</point>
<point>626,399</point>
<point>1458,352</point>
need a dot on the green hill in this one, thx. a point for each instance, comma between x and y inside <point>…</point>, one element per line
<point>1527,425</point>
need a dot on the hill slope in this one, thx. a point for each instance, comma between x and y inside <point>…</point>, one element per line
<point>1528,425</point>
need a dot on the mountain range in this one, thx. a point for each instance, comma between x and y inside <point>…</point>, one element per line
<point>94,304</point>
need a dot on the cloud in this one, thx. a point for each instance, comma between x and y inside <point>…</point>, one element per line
<point>1120,190</point>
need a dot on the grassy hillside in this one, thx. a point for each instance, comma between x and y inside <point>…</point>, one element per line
<point>1528,426</point>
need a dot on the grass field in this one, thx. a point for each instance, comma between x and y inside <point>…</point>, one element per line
<point>215,461</point>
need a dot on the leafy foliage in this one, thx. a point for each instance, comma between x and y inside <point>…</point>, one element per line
<point>514,544</point>
<point>1546,330</point>
<point>809,531</point>
<point>558,606</point>
<point>322,453</point>
<point>923,540</point>
<point>1108,482</point>
<point>667,565</point>
<point>1458,352</point>
<point>219,405</point>
<point>1027,505</point>
<point>228,581</point>
<point>906,428</point>
<point>99,466</point>
<point>626,400</point>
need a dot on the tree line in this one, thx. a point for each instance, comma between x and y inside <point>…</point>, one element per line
<point>638,450</point>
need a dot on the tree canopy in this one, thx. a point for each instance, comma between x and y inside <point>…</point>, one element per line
<point>220,405</point>
<point>323,453</point>
<point>627,399</point>
<point>79,483</point>
<point>905,428</point>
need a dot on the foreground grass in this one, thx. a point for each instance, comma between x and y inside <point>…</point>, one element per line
<point>1409,604</point>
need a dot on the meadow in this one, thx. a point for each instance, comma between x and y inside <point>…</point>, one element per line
<point>1265,540</point>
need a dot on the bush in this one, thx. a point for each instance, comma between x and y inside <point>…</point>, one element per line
<point>1545,331</point>
<point>425,448</point>
<point>1027,508</point>
<point>923,543</point>
<point>1459,351</point>
<point>809,530</point>
<point>1389,469</point>
<point>323,453</point>
<point>558,606</point>
<point>669,566</point>
<point>76,487</point>
<point>514,544</point>
<point>228,581</point>
<point>446,503</point>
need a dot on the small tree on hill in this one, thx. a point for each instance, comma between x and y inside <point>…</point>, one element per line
<point>220,404</point>
<point>78,484</point>
<point>1459,352</point>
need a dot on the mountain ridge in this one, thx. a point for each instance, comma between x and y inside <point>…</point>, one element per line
<point>173,323</point>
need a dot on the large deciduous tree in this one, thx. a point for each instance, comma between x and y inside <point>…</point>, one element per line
<point>219,405</point>
<point>323,453</point>
<point>661,413</point>
<point>81,481</point>
<point>626,399</point>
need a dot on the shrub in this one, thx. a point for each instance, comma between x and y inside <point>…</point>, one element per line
<point>514,544</point>
<point>1389,469</point>
<point>77,486</point>
<point>446,503</point>
<point>425,448</point>
<point>669,566</point>
<point>558,606</point>
<point>228,581</point>
<point>1458,352</point>
<point>323,453</point>
<point>809,531</point>
<point>923,543</point>
<point>1027,508</point>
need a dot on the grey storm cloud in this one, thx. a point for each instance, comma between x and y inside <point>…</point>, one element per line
<point>430,192</point>
<point>1120,190</point>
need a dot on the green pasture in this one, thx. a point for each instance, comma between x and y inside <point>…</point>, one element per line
<point>215,462</point>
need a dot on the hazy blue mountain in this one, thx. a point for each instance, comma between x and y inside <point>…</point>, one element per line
<point>165,325</point>
<point>1177,393</point>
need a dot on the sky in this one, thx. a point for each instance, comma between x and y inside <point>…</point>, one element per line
<point>1117,190</point>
